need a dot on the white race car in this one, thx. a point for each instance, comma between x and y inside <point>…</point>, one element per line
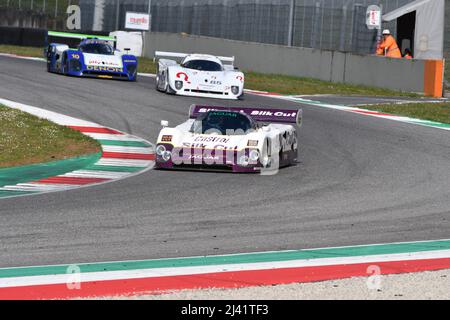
<point>199,75</point>
<point>230,139</point>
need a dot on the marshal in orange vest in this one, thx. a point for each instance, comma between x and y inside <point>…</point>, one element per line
<point>388,47</point>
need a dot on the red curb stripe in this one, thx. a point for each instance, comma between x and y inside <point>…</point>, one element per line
<point>234,279</point>
<point>71,180</point>
<point>123,155</point>
<point>95,130</point>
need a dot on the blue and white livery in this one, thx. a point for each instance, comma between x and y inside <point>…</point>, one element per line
<point>90,56</point>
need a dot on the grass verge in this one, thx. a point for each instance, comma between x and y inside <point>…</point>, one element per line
<point>439,112</point>
<point>259,81</point>
<point>26,139</point>
<point>304,86</point>
<point>23,51</point>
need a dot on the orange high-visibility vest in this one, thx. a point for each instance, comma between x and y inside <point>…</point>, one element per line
<point>389,48</point>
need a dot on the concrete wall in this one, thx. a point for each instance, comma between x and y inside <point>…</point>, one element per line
<point>333,66</point>
<point>22,36</point>
<point>447,30</point>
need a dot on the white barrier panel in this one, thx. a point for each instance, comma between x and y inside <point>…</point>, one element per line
<point>130,40</point>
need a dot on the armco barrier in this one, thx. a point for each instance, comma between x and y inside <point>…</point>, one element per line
<point>22,36</point>
<point>396,74</point>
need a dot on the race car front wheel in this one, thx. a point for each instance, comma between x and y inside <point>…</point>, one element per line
<point>265,154</point>
<point>159,77</point>
<point>65,64</point>
<point>169,90</point>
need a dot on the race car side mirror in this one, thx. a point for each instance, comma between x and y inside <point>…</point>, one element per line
<point>164,123</point>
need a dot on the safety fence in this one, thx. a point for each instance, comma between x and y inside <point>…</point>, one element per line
<point>321,24</point>
<point>53,8</point>
<point>35,13</point>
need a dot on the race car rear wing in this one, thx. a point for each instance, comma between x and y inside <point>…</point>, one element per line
<point>180,56</point>
<point>74,39</point>
<point>293,116</point>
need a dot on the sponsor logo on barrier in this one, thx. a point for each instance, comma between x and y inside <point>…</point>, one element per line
<point>74,17</point>
<point>137,21</point>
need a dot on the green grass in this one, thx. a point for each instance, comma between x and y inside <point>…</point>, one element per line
<point>26,139</point>
<point>259,81</point>
<point>439,112</point>
<point>146,65</point>
<point>23,51</point>
<point>301,86</point>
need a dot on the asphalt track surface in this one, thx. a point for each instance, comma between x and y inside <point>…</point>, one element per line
<point>360,180</point>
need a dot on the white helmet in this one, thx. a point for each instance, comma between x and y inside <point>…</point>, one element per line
<point>386,32</point>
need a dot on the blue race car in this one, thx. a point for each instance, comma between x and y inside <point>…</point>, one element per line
<point>94,56</point>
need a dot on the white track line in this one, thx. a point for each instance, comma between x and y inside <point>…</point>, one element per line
<point>124,162</point>
<point>95,174</point>
<point>122,149</point>
<point>106,136</point>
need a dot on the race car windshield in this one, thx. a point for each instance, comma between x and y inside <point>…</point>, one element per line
<point>97,48</point>
<point>222,122</point>
<point>202,65</point>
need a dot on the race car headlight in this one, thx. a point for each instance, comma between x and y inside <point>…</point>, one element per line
<point>243,160</point>
<point>131,68</point>
<point>252,143</point>
<point>160,150</point>
<point>75,65</point>
<point>254,155</point>
<point>178,84</point>
<point>166,138</point>
<point>166,155</point>
<point>234,89</point>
